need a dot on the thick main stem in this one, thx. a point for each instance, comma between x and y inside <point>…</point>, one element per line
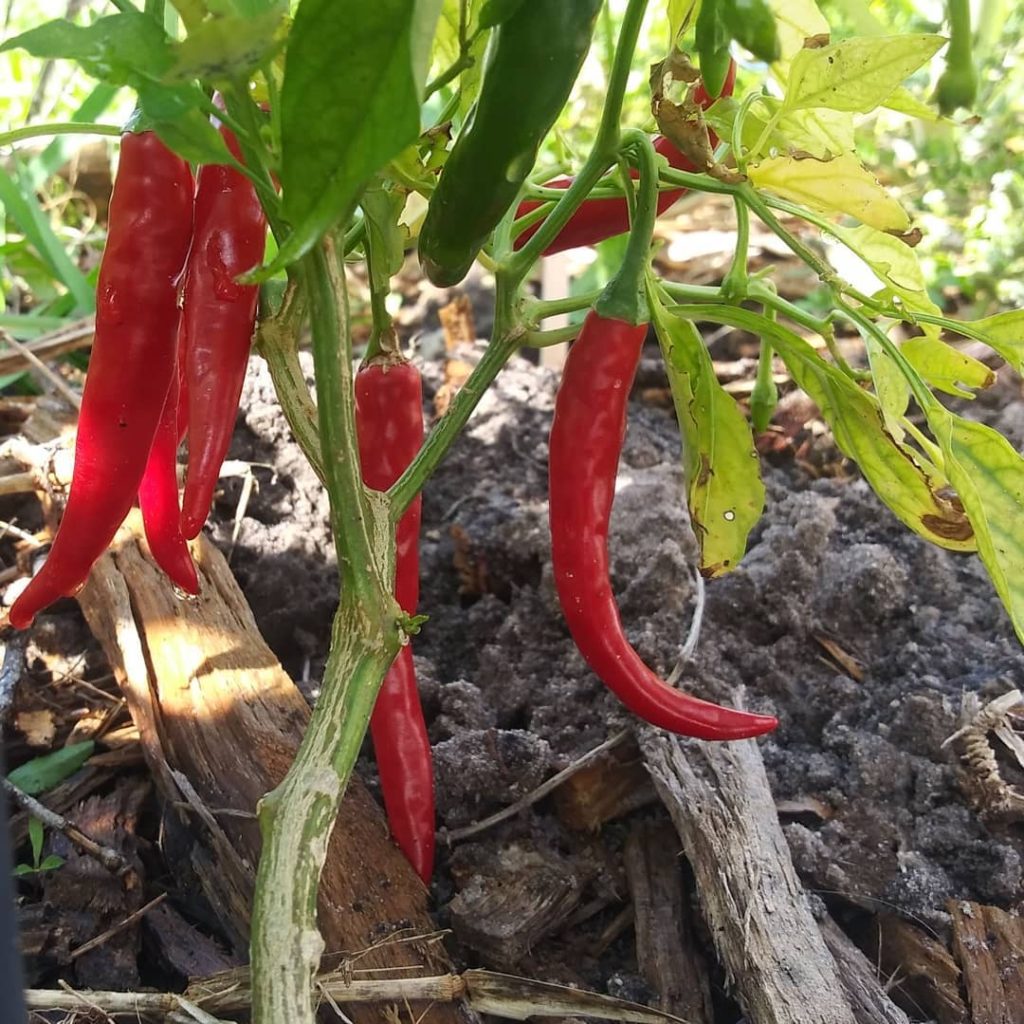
<point>296,819</point>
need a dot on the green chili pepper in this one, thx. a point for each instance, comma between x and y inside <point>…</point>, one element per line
<point>531,64</point>
<point>712,39</point>
<point>752,24</point>
<point>958,85</point>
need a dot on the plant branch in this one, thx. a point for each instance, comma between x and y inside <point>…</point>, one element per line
<point>277,340</point>
<point>39,131</point>
<point>296,819</point>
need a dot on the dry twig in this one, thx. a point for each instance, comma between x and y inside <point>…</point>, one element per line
<point>110,859</point>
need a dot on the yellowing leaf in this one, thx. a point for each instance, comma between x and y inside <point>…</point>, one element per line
<point>680,13</point>
<point>796,21</point>
<point>905,102</point>
<point>893,261</point>
<point>988,475</point>
<point>722,470</point>
<point>857,74</point>
<point>890,386</point>
<point>1004,333</point>
<point>822,133</point>
<point>840,185</point>
<point>945,368</point>
<point>896,266</point>
<point>909,486</point>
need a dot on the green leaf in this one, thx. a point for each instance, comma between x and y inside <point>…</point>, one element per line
<point>494,12</point>
<point>856,75</point>
<point>116,49</point>
<point>1003,333</point>
<point>840,185</point>
<point>424,25</point>
<point>988,475</point>
<point>176,115</point>
<point>43,773</point>
<point>232,47</point>
<point>21,870</point>
<point>945,368</point>
<point>332,147</point>
<point>722,470</point>
<point>35,838</point>
<point>381,209</point>
<point>913,491</point>
<point>18,198</point>
<point>51,863</point>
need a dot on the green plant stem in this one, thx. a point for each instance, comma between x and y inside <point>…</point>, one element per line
<point>297,817</point>
<point>535,310</point>
<point>734,287</point>
<point>42,131</point>
<point>758,292</point>
<point>506,336</point>
<point>545,339</point>
<point>624,297</point>
<point>383,337</point>
<point>696,182</point>
<point>277,340</point>
<point>601,157</point>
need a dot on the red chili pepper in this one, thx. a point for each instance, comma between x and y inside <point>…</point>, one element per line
<point>218,316</point>
<point>158,492</point>
<point>598,219</point>
<point>132,362</point>
<point>586,438</point>
<point>389,419</point>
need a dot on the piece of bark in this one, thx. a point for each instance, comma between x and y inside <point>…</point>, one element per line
<point>757,910</point>
<point>926,977</point>
<point>92,898</point>
<point>609,788</point>
<point>989,945</point>
<point>183,948</point>
<point>504,915</point>
<point>216,712</point>
<point>44,937</point>
<point>871,1003</point>
<point>666,952</point>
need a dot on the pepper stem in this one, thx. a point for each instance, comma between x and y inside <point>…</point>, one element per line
<point>624,298</point>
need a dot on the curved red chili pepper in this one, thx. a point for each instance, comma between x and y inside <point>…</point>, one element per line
<point>158,492</point>
<point>218,317</point>
<point>586,438</point>
<point>389,420</point>
<point>598,219</point>
<point>132,362</point>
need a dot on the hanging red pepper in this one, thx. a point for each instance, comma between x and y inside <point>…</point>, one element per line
<point>586,438</point>
<point>598,219</point>
<point>131,366</point>
<point>218,316</point>
<point>158,492</point>
<point>389,420</point>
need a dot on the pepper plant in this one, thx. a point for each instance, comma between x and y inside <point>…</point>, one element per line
<point>315,121</point>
